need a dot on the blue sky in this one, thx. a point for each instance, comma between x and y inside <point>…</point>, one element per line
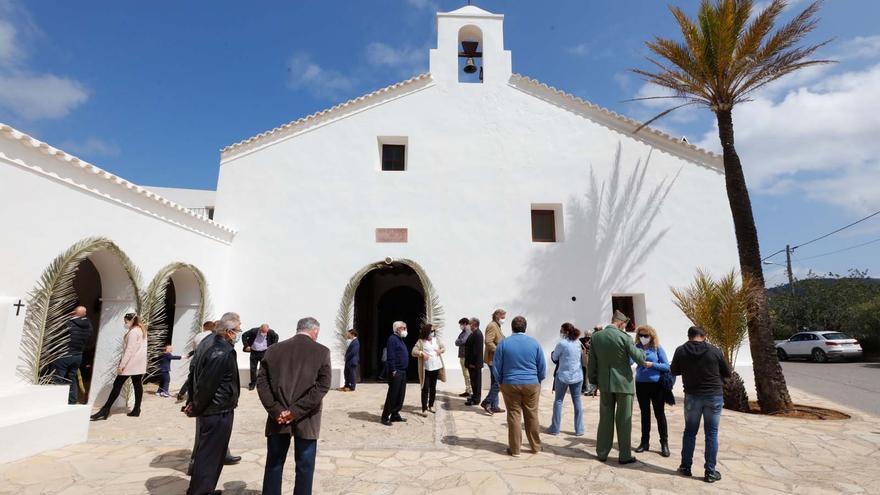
<point>152,90</point>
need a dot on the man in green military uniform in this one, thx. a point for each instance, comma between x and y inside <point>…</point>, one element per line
<point>610,352</point>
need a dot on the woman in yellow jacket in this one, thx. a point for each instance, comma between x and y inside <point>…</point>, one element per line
<point>430,351</point>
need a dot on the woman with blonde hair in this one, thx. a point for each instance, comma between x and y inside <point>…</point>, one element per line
<point>133,364</point>
<point>649,389</point>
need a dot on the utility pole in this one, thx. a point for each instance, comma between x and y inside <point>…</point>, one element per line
<point>788,267</point>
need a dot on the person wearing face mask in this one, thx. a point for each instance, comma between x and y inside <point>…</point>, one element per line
<point>214,389</point>
<point>460,342</point>
<point>292,383</point>
<point>609,367</point>
<point>430,351</point>
<point>649,390</point>
<point>492,340</point>
<point>569,378</point>
<point>132,365</point>
<point>396,363</point>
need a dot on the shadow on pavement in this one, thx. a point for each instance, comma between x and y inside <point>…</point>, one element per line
<point>175,459</point>
<point>364,416</point>
<point>166,485</point>
<point>238,488</point>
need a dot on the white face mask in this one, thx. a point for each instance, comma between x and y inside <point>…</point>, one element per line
<point>403,334</point>
<point>463,327</point>
<point>501,321</point>
<point>644,340</point>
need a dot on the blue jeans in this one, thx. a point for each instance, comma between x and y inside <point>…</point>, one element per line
<point>304,452</point>
<point>707,407</point>
<point>494,389</point>
<point>65,374</point>
<point>575,390</point>
<point>164,381</point>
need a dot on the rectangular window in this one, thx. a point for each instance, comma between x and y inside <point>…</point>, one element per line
<point>633,306</point>
<point>393,157</point>
<point>543,226</point>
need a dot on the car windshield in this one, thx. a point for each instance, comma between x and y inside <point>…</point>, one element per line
<point>836,336</point>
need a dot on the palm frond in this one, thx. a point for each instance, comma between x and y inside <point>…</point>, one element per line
<point>44,337</point>
<point>154,317</point>
<point>434,313</point>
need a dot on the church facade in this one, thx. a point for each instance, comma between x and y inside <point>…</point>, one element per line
<point>448,195</point>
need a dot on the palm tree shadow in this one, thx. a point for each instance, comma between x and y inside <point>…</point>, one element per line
<point>609,233</point>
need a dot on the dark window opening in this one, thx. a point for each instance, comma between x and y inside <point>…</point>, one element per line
<point>393,157</point>
<point>543,226</point>
<point>625,305</point>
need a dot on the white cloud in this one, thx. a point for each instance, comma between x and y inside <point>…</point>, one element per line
<point>407,60</point>
<point>579,49</point>
<point>91,147</point>
<point>304,74</point>
<point>45,96</point>
<point>861,47</point>
<point>424,4</point>
<point>819,140</point>
<point>651,108</point>
<point>24,92</point>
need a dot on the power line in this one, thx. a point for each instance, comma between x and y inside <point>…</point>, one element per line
<point>824,236</point>
<point>838,251</point>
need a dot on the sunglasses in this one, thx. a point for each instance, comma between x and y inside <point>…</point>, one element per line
<point>643,335</point>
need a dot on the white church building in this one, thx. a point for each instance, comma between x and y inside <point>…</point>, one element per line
<point>448,195</point>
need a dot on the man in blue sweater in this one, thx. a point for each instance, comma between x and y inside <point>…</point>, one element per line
<point>520,367</point>
<point>397,360</point>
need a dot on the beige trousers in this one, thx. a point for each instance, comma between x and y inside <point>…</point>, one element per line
<point>521,402</point>
<point>467,377</point>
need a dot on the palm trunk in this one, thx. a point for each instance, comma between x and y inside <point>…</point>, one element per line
<point>769,381</point>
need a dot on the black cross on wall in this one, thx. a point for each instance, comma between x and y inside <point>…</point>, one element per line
<point>18,307</point>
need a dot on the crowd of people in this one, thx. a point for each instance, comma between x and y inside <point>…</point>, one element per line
<point>293,376</point>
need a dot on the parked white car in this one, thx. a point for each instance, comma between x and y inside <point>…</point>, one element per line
<point>819,346</point>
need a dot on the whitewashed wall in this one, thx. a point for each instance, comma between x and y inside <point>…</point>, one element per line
<point>479,155</point>
<point>50,202</point>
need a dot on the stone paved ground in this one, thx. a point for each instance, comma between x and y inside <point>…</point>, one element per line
<point>458,451</point>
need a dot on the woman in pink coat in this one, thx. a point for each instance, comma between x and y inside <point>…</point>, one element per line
<point>133,364</point>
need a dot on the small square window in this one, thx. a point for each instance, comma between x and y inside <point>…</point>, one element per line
<point>393,157</point>
<point>543,226</point>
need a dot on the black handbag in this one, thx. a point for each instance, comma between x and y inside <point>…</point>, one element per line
<point>667,381</point>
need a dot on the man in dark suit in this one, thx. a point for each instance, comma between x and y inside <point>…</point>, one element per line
<point>352,359</point>
<point>473,361</point>
<point>293,380</point>
<point>256,341</point>
<point>79,329</point>
<point>396,363</point>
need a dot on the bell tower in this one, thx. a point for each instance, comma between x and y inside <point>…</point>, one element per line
<point>470,48</point>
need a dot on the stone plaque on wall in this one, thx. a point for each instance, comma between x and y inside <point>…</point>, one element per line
<point>391,235</point>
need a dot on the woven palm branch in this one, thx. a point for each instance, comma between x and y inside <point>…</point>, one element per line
<point>154,317</point>
<point>44,339</point>
<point>345,314</point>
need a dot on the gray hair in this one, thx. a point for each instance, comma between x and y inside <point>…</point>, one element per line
<point>475,321</point>
<point>396,325</point>
<point>306,324</point>
<point>229,321</point>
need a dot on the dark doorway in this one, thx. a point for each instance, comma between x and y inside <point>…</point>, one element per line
<point>625,305</point>
<point>385,295</point>
<point>87,286</point>
<point>168,314</point>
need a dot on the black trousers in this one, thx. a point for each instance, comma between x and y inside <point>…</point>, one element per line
<point>137,385</point>
<point>213,439</point>
<point>651,394</point>
<point>256,359</point>
<point>429,389</point>
<point>351,375</point>
<point>396,394</point>
<point>476,375</point>
<point>64,371</point>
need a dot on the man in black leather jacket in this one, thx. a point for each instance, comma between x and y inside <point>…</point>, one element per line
<point>214,386</point>
<point>79,328</point>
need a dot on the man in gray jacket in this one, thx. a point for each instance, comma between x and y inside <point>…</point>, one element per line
<point>464,325</point>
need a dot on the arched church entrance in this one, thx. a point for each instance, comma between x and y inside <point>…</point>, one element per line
<point>94,273</point>
<point>385,295</point>
<point>87,286</point>
<point>174,307</point>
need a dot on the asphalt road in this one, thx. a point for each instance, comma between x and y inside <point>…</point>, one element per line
<point>853,384</point>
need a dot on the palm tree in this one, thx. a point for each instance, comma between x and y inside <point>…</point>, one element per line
<point>722,60</point>
<point>721,308</point>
